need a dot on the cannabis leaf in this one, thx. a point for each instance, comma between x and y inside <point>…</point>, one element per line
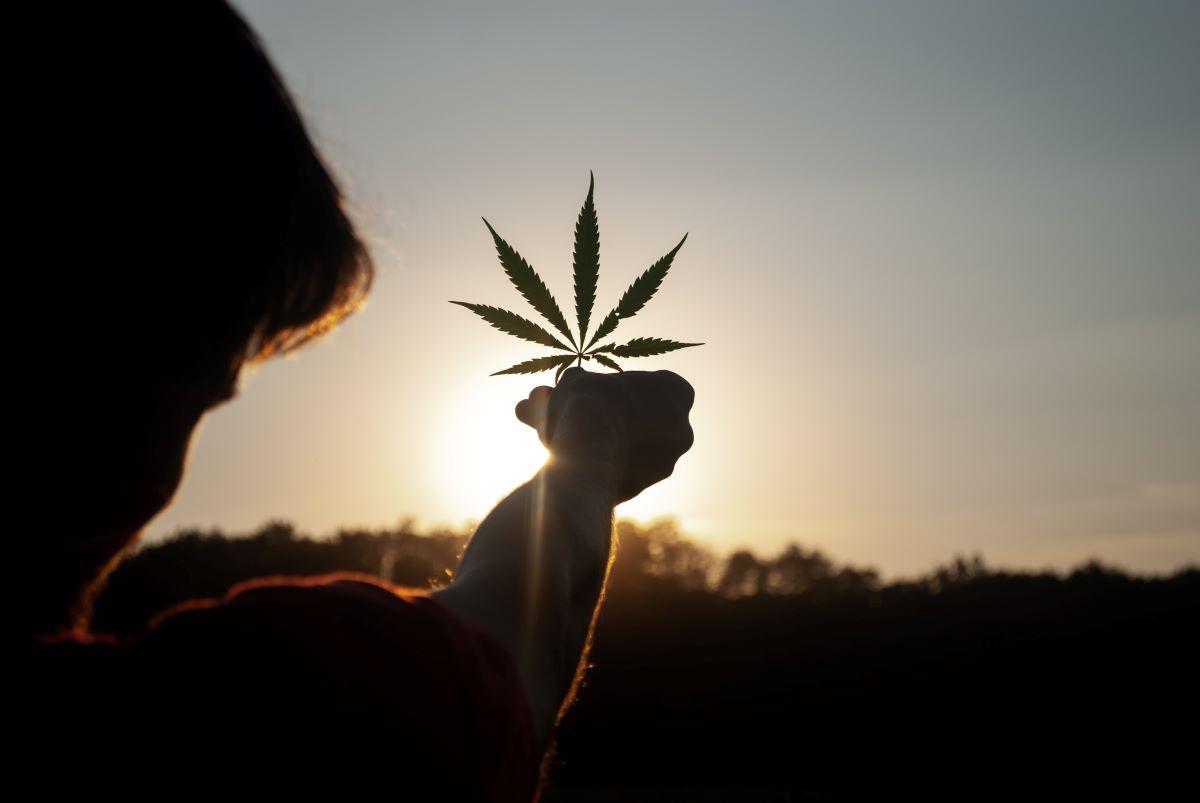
<point>642,290</point>
<point>539,364</point>
<point>513,324</point>
<point>587,260</point>
<point>529,284</point>
<point>643,347</point>
<point>586,269</point>
<point>606,362</point>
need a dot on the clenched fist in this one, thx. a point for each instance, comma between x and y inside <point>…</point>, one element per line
<point>628,428</point>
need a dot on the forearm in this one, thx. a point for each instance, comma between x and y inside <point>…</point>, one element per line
<point>533,575</point>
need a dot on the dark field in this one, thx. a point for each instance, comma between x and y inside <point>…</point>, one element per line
<point>791,678</point>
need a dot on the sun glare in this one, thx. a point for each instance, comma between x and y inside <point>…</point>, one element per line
<point>484,451</point>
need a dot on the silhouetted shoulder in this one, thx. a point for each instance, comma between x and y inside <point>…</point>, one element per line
<point>342,639</point>
<point>340,661</point>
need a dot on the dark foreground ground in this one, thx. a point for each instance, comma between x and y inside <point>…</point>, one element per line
<point>792,678</point>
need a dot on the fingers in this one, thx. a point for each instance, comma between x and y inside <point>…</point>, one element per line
<point>648,421</point>
<point>532,411</point>
<point>678,388</point>
<point>587,423</point>
<point>655,457</point>
<point>683,439</point>
<point>571,375</point>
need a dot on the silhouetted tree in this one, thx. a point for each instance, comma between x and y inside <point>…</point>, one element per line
<point>744,575</point>
<point>722,673</point>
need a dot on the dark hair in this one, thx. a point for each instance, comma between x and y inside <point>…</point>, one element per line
<point>310,267</point>
<point>178,223</point>
<point>236,241</point>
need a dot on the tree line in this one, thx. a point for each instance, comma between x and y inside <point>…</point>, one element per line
<point>789,676</point>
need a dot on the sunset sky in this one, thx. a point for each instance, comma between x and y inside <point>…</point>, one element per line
<point>945,258</point>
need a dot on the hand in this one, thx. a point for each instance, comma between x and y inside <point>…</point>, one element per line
<point>631,426</point>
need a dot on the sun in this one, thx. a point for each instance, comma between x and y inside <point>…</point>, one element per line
<point>483,450</point>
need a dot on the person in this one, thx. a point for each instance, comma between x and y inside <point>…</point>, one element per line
<point>210,238</point>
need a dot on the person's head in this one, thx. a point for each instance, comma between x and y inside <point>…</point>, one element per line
<point>206,234</point>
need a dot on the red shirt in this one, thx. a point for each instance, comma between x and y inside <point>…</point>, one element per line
<point>341,667</point>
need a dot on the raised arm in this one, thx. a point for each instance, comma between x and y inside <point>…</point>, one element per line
<point>534,572</point>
